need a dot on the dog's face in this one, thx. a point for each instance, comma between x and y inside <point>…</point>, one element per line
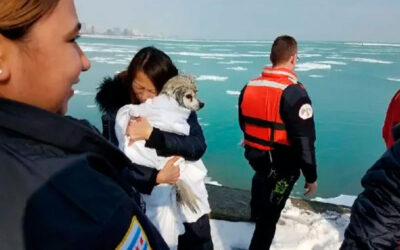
<point>183,89</point>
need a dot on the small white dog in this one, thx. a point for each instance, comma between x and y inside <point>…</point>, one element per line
<point>183,89</point>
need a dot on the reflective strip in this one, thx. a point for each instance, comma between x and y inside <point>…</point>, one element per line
<point>292,77</point>
<point>265,83</point>
<point>263,123</point>
<point>254,139</point>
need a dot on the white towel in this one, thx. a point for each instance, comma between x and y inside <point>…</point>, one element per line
<point>162,208</point>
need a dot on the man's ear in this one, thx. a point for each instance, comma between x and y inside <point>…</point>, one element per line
<point>4,64</point>
<point>292,59</point>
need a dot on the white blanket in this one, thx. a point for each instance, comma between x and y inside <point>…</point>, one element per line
<point>162,208</point>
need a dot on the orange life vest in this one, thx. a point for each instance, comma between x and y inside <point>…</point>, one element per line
<point>263,126</point>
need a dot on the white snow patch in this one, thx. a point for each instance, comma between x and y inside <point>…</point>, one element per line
<point>343,199</point>
<point>209,180</point>
<point>296,229</point>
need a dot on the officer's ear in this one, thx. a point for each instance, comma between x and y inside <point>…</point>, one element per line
<point>4,63</point>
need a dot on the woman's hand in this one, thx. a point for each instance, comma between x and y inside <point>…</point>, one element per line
<point>138,129</point>
<point>170,173</point>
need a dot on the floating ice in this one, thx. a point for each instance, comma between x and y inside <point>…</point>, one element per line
<point>375,44</point>
<point>311,66</point>
<point>233,92</point>
<point>212,78</point>
<point>238,68</point>
<point>393,79</point>
<point>236,62</point>
<point>332,62</point>
<point>84,93</point>
<point>369,60</point>
<point>309,55</point>
<point>219,55</point>
<point>212,57</point>
<point>110,60</point>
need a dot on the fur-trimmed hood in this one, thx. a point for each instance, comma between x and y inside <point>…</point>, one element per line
<point>112,94</point>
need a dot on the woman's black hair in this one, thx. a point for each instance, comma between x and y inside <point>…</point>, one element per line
<point>157,65</point>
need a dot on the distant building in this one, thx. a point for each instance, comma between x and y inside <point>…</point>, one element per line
<point>109,32</point>
<point>84,28</point>
<point>127,32</point>
<point>116,31</point>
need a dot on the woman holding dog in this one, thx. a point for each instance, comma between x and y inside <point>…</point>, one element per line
<point>62,184</point>
<point>144,78</point>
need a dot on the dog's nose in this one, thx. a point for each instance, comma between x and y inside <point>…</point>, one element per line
<point>201,104</point>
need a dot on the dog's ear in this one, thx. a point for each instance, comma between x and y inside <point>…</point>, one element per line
<point>179,93</point>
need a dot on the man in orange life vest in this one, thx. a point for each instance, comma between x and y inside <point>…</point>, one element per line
<point>276,117</point>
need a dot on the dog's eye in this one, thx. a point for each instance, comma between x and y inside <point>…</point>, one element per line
<point>189,97</point>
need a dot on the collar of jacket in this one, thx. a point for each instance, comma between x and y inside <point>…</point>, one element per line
<point>112,95</point>
<point>278,72</point>
<point>66,133</point>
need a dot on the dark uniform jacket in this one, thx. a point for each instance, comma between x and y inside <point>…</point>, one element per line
<point>375,215</point>
<point>63,186</point>
<point>112,96</point>
<point>301,133</point>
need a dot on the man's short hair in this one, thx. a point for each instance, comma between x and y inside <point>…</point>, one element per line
<point>282,49</point>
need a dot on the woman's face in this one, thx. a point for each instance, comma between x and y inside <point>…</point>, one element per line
<point>143,87</point>
<point>42,69</point>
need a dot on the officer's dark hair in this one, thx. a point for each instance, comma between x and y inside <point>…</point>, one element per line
<point>282,49</point>
<point>157,65</point>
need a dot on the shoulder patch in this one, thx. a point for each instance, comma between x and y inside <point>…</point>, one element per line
<point>135,238</point>
<point>305,111</point>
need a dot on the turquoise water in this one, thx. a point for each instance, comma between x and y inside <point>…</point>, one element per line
<point>350,86</point>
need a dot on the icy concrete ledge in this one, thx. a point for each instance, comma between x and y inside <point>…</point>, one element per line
<point>233,204</point>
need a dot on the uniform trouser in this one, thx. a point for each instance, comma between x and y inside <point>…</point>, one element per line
<point>269,193</point>
<point>197,235</point>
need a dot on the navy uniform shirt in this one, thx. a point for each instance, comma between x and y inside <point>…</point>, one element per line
<point>63,186</point>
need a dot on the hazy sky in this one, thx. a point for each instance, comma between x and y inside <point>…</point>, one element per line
<point>322,20</point>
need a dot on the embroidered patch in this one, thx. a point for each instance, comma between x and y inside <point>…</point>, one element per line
<point>135,238</point>
<point>306,111</point>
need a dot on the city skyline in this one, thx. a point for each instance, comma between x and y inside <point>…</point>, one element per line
<point>308,20</point>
